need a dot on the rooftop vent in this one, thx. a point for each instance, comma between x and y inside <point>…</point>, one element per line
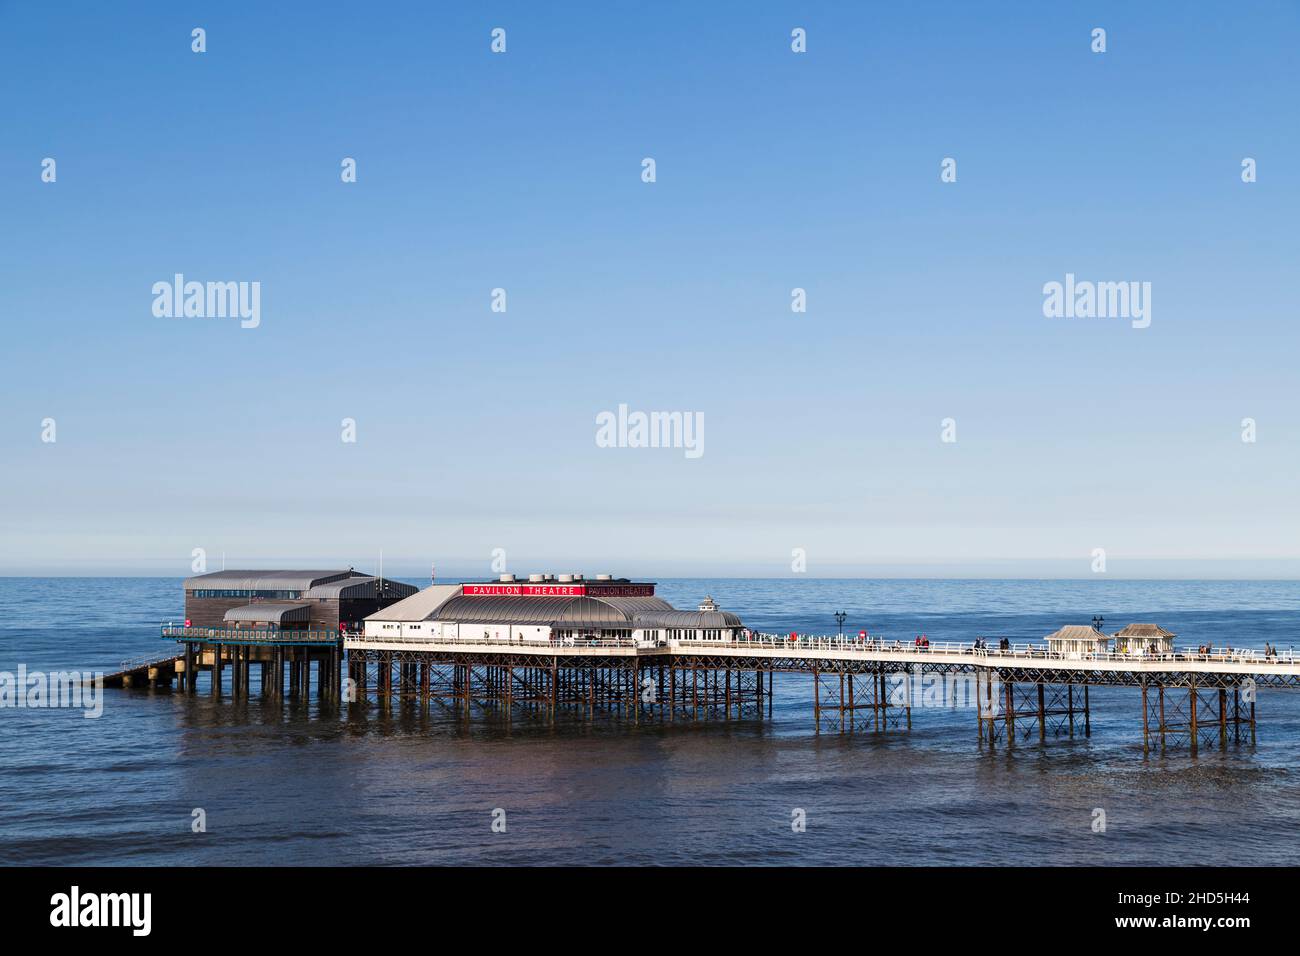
<point>507,578</point>
<point>566,578</point>
<point>536,578</point>
<point>604,577</point>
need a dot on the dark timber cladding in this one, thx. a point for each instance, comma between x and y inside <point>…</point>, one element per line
<point>271,625</point>
<point>330,598</point>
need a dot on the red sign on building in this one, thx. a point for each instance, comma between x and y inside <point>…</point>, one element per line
<point>621,590</point>
<point>524,590</point>
<point>558,590</point>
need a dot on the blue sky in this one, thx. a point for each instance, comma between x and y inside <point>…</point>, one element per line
<point>775,170</point>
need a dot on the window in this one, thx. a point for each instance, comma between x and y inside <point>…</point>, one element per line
<point>230,593</point>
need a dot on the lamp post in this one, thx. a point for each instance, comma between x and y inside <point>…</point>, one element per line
<point>840,618</point>
<point>1097,622</point>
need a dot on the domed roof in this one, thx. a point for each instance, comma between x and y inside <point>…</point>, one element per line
<point>554,611</point>
<point>689,619</point>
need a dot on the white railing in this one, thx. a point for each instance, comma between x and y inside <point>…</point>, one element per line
<point>147,661</point>
<point>1025,651</point>
<point>516,642</point>
<point>875,646</point>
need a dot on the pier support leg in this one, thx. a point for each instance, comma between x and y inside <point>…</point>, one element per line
<point>1236,715</point>
<point>1011,713</point>
<point>1160,689</point>
<point>817,700</point>
<point>1146,724</point>
<point>1191,712</point>
<point>216,670</point>
<point>555,685</point>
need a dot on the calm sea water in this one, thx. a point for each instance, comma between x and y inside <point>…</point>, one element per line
<point>283,785</point>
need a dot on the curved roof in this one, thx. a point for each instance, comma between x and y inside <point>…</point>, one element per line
<point>269,612</point>
<point>267,580</point>
<point>690,619</point>
<point>363,586</point>
<point>555,611</point>
<point>633,606</point>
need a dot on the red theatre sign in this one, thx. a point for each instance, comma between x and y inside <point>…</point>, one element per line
<point>525,590</point>
<point>558,590</point>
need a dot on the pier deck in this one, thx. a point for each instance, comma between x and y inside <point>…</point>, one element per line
<point>1018,692</point>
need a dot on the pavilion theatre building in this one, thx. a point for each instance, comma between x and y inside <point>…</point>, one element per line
<point>563,609</point>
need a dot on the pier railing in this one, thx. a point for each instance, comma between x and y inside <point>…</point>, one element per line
<point>248,635</point>
<point>875,645</point>
<point>149,660</point>
<point>517,642</point>
<point>968,649</point>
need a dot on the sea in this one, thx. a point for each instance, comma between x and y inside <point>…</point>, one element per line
<point>161,778</point>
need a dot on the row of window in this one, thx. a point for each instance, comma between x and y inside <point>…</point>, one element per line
<point>694,634</point>
<point>245,593</point>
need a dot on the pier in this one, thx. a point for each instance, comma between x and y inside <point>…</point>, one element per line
<point>1019,694</point>
<point>610,647</point>
<point>283,660</point>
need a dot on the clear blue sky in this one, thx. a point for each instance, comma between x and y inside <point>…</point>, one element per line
<point>775,170</point>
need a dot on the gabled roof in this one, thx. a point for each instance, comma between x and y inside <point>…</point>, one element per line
<point>1076,632</point>
<point>419,606</point>
<point>1144,630</point>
